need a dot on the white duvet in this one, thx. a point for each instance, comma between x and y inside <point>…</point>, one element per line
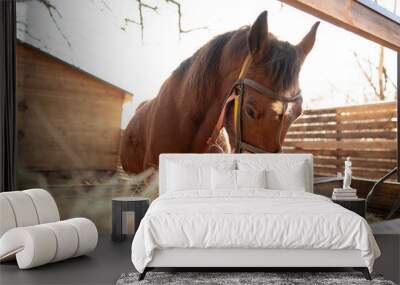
<point>255,218</point>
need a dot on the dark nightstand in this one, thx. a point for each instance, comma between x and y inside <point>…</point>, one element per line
<point>138,205</point>
<point>356,205</point>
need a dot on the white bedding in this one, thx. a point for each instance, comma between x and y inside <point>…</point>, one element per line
<point>252,218</point>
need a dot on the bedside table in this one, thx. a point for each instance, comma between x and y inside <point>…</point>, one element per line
<point>138,205</point>
<point>356,205</point>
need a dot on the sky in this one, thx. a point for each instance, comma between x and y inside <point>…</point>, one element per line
<point>93,35</point>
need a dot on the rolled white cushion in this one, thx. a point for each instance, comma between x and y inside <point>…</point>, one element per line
<point>46,207</point>
<point>23,208</point>
<point>67,240</point>
<point>87,234</point>
<point>40,244</point>
<point>7,218</point>
<point>33,246</point>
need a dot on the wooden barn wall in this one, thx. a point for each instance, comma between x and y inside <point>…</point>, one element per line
<point>67,119</point>
<point>366,133</point>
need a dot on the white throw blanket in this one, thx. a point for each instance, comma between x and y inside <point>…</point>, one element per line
<point>254,218</point>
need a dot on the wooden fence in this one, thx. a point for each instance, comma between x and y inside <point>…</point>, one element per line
<point>366,133</point>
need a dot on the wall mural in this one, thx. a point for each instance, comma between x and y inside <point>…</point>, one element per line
<point>192,98</point>
<point>104,87</point>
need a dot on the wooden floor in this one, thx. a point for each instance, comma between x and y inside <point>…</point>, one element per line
<point>103,266</point>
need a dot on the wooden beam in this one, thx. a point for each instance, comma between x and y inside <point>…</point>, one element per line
<point>354,17</point>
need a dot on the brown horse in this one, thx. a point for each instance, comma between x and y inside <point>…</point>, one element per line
<point>184,114</point>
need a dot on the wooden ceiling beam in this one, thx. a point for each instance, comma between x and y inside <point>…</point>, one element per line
<point>354,17</point>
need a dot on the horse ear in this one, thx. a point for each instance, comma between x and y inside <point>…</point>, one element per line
<point>308,41</point>
<point>258,35</point>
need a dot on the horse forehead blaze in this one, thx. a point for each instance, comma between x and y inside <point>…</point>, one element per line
<point>277,107</point>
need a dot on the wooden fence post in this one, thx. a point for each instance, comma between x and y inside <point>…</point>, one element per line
<point>338,138</point>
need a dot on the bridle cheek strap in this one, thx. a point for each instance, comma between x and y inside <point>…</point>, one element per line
<point>232,97</point>
<point>220,123</point>
<point>236,106</point>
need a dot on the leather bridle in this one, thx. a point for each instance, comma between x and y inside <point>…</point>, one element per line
<point>236,95</point>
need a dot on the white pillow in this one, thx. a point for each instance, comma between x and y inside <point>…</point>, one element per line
<point>293,180</point>
<point>223,179</point>
<point>284,172</point>
<point>181,177</point>
<point>226,179</point>
<point>251,178</point>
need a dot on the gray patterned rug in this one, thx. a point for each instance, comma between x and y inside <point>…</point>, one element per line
<point>229,278</point>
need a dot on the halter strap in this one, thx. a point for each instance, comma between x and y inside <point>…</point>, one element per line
<point>232,97</point>
<point>268,92</point>
<point>236,107</point>
<point>220,122</point>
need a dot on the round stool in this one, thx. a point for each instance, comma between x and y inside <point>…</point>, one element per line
<point>138,205</point>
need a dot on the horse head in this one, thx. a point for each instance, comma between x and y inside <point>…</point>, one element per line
<point>271,99</point>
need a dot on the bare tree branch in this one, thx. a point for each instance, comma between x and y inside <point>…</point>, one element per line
<point>387,78</point>
<point>380,87</point>
<point>55,15</point>
<point>141,21</point>
<point>367,76</point>
<point>23,28</point>
<point>391,81</point>
<point>381,67</point>
<point>51,9</point>
<point>128,21</point>
<point>155,8</point>
<point>106,5</point>
<point>179,10</point>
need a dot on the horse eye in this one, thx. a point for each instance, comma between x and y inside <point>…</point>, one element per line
<point>251,112</point>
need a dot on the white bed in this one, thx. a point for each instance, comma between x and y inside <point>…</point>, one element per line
<point>194,223</point>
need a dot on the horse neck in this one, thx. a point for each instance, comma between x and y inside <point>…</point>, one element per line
<point>215,100</point>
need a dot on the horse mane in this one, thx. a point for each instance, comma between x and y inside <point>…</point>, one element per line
<point>205,59</point>
<point>199,72</point>
<point>282,63</point>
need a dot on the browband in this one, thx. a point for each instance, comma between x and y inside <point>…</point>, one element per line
<point>266,91</point>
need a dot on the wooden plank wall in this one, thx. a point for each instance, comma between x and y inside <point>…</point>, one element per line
<point>366,133</point>
<point>67,119</point>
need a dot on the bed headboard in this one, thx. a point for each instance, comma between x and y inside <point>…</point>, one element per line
<point>272,159</point>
